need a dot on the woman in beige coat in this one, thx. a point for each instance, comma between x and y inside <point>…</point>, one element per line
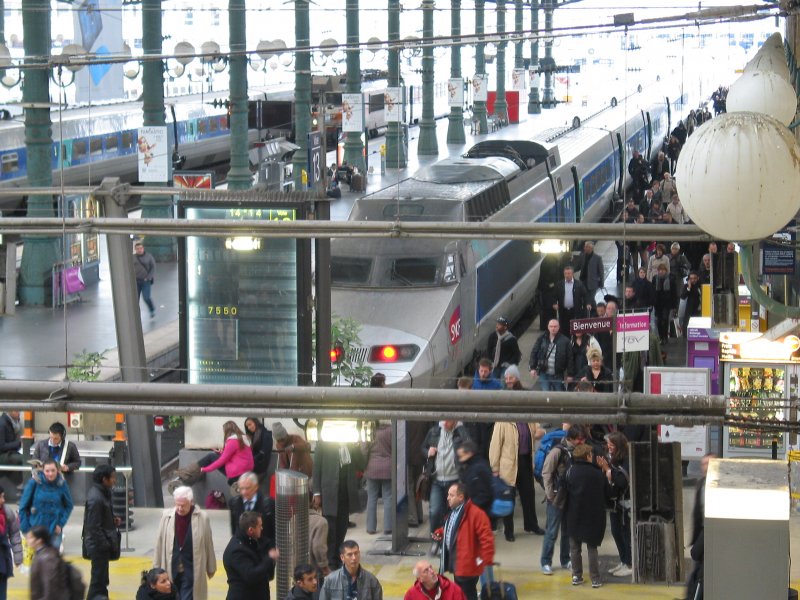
<point>188,583</point>
<point>514,464</point>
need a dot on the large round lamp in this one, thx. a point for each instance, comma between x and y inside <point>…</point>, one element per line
<point>763,92</point>
<point>739,176</point>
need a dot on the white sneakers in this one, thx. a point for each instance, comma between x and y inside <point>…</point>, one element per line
<point>621,570</point>
<point>547,570</point>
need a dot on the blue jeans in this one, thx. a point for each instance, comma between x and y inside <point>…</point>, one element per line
<point>438,503</point>
<point>143,289</point>
<point>551,383</point>
<point>555,522</point>
<point>382,488</point>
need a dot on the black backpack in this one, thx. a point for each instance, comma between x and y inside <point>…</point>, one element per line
<point>564,458</point>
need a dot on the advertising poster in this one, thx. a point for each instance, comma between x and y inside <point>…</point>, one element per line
<point>533,78</point>
<point>479,88</point>
<point>455,92</point>
<point>352,113</point>
<point>154,154</point>
<point>518,80</point>
<point>393,104</point>
<point>98,28</point>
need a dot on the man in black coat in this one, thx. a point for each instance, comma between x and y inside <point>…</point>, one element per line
<point>551,359</point>
<point>306,584</point>
<point>249,569</point>
<point>101,540</point>
<point>476,475</point>
<point>503,349</point>
<point>572,300</point>
<point>250,499</point>
<point>10,441</point>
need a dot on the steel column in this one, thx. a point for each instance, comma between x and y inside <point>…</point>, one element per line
<point>239,176</point>
<point>500,104</point>
<point>353,146</point>
<point>534,104</point>
<point>302,86</point>
<point>132,359</point>
<point>548,95</point>
<point>428,145</point>
<point>41,253</point>
<point>479,107</point>
<point>155,207</point>
<point>455,127</point>
<point>395,148</point>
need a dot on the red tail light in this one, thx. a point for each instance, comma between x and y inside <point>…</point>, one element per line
<point>391,353</point>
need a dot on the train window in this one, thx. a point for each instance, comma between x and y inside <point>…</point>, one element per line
<point>559,185</point>
<point>112,141</point>
<point>96,145</point>
<point>78,149</point>
<point>376,102</point>
<point>414,271</point>
<point>202,126</point>
<point>127,140</point>
<point>551,160</point>
<point>10,162</point>
<point>213,125</point>
<point>348,270</point>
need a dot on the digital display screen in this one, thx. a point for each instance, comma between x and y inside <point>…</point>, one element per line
<point>241,303</point>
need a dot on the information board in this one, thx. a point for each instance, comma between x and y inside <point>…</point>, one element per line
<point>241,303</point>
<point>684,381</point>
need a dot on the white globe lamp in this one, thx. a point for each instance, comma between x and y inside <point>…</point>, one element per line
<point>738,176</point>
<point>770,57</point>
<point>763,92</point>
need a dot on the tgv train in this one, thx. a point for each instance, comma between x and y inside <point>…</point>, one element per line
<point>427,306</point>
<point>92,143</point>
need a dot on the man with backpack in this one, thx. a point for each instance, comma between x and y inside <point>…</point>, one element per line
<point>553,475</point>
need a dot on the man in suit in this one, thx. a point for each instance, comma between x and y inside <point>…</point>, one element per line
<point>571,300</point>
<point>250,500</point>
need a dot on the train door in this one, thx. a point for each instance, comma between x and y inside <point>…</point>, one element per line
<point>620,154</point>
<point>578,191</point>
<point>451,331</point>
<point>649,127</point>
<point>568,208</point>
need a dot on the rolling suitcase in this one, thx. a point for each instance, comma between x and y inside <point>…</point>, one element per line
<point>497,589</point>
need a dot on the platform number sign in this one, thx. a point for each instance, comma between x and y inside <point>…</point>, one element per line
<point>315,159</point>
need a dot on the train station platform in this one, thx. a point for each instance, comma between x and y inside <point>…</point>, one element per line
<point>519,561</point>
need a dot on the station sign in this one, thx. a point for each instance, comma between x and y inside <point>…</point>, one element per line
<point>316,162</point>
<point>594,325</point>
<point>778,253</point>
<point>633,332</point>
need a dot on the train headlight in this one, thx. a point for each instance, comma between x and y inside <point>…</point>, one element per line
<point>391,353</point>
<point>550,246</point>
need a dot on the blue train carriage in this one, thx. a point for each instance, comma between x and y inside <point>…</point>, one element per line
<point>92,143</point>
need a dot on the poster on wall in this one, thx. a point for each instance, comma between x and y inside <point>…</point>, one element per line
<point>455,92</point>
<point>681,381</point>
<point>393,104</point>
<point>154,154</point>
<point>479,88</point>
<point>352,113</point>
<point>533,78</point>
<point>518,80</point>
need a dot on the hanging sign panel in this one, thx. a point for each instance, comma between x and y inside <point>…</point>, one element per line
<point>455,92</point>
<point>518,80</point>
<point>479,88</point>
<point>352,113</point>
<point>393,104</point>
<point>154,154</point>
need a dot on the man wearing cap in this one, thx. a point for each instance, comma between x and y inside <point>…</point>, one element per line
<point>503,348</point>
<point>293,451</point>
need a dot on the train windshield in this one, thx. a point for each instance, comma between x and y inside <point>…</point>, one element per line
<point>392,271</point>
